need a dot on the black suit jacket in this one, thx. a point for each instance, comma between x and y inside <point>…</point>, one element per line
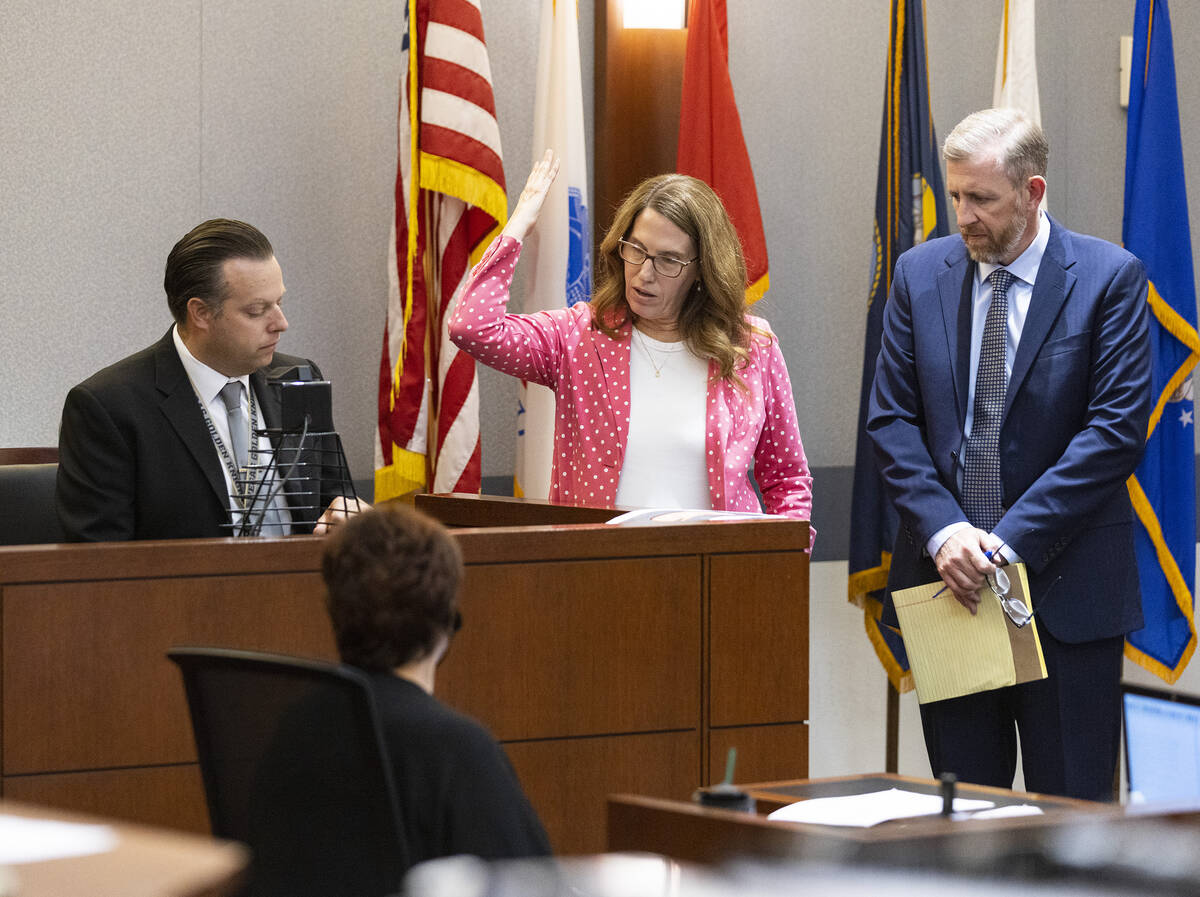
<point>137,461</point>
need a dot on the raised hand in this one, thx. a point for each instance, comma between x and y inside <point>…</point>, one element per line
<point>525,215</point>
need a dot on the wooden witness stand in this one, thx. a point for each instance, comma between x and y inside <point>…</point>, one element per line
<point>606,659</point>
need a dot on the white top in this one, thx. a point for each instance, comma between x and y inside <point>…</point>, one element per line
<point>664,454</point>
<point>208,384</point>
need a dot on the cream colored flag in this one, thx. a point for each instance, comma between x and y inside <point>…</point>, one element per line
<point>1016,83</point>
<point>557,251</point>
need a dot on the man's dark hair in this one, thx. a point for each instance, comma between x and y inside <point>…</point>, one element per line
<point>195,265</point>
<point>391,577</point>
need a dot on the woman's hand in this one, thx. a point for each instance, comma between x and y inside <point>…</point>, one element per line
<point>525,215</point>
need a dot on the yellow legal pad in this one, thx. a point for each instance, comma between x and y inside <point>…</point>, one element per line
<point>952,653</point>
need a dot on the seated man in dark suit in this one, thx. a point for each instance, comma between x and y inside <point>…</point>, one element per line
<point>164,444</point>
<point>392,576</point>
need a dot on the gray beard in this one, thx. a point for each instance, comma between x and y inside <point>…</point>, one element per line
<point>994,257</point>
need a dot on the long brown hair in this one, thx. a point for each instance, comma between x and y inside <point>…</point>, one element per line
<point>712,319</point>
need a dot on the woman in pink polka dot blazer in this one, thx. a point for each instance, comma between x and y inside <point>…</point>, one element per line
<point>666,389</point>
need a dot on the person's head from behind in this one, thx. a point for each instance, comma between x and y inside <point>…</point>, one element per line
<point>224,288</point>
<point>392,577</point>
<point>695,283</point>
<point>996,177</point>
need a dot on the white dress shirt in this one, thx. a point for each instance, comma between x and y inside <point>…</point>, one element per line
<point>208,384</point>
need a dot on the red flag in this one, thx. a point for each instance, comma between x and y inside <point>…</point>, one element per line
<point>449,202</point>
<point>711,146</point>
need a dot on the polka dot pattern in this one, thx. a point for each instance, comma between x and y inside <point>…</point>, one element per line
<point>589,374</point>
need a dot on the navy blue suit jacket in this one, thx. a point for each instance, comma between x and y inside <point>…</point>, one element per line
<point>1073,430</point>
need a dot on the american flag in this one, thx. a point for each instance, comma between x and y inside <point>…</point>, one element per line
<point>449,202</point>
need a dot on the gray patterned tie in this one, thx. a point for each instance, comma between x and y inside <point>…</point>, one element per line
<point>239,430</point>
<point>982,493</point>
<point>259,516</point>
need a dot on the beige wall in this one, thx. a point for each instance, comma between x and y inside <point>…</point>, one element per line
<point>125,122</point>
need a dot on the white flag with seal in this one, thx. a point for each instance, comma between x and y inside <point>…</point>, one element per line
<point>1016,84</point>
<point>557,252</point>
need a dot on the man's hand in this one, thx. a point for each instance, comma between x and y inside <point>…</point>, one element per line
<point>962,565</point>
<point>338,511</point>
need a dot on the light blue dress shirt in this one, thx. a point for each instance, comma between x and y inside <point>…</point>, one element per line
<point>1024,269</point>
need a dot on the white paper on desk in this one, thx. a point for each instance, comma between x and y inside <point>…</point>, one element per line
<point>25,840</point>
<point>666,516</point>
<point>865,810</point>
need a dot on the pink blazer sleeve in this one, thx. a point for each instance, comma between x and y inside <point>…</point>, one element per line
<point>530,346</point>
<point>780,466</point>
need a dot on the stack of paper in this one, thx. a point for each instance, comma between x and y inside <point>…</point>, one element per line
<point>865,810</point>
<point>26,840</point>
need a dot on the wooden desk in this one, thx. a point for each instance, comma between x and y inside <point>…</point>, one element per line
<point>605,659</point>
<point>688,832</point>
<point>145,863</point>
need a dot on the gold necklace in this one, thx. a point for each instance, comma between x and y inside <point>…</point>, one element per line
<point>641,341</point>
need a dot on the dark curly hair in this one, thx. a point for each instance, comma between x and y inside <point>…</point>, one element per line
<point>391,577</point>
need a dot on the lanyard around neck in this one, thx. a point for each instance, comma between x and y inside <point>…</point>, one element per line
<point>241,480</point>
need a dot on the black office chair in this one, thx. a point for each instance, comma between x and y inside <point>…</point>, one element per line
<point>295,767</point>
<point>27,515</point>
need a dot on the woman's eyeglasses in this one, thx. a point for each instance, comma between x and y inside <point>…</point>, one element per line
<point>665,265</point>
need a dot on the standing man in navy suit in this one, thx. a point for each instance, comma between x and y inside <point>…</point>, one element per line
<point>1017,439</point>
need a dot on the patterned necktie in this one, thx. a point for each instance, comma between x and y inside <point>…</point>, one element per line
<point>982,492</point>
<point>239,430</point>
<point>259,516</point>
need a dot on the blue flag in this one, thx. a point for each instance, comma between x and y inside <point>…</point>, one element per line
<point>909,209</point>
<point>1156,231</point>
